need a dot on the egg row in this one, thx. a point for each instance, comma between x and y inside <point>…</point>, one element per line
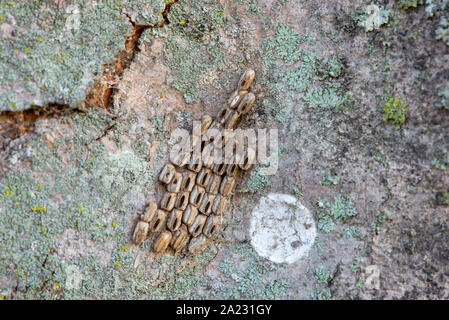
<point>198,187</point>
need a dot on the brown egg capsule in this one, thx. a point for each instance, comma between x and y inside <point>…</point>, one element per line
<point>206,122</point>
<point>180,238</point>
<point>140,232</point>
<point>149,212</point>
<point>247,161</point>
<point>174,220</point>
<point>175,185</point>
<point>219,168</point>
<point>168,201</point>
<point>197,226</point>
<point>198,244</point>
<point>196,163</point>
<point>227,186</point>
<point>232,120</point>
<point>220,205</point>
<point>202,179</point>
<point>223,115</point>
<point>232,169</point>
<point>182,200</point>
<point>180,159</point>
<point>188,180</point>
<point>189,215</point>
<point>158,221</point>
<point>214,184</point>
<point>246,104</point>
<point>228,138</point>
<point>206,205</point>
<point>214,131</point>
<point>212,225</point>
<point>208,156</point>
<point>167,174</point>
<point>162,241</point>
<point>196,196</point>
<point>235,98</point>
<point>246,80</point>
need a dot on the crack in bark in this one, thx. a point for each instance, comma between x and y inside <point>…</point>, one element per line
<point>45,281</point>
<point>105,130</point>
<point>14,124</point>
<point>102,91</point>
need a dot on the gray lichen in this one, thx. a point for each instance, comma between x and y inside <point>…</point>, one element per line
<point>192,48</point>
<point>52,53</point>
<point>374,17</point>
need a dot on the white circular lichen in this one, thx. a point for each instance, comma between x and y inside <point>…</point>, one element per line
<point>281,228</point>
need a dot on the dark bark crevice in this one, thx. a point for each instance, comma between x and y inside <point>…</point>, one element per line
<point>102,91</point>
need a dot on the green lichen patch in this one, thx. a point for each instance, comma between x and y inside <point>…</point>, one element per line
<point>395,111</point>
<point>355,265</point>
<point>442,33</point>
<point>323,294</point>
<point>147,12</point>
<point>351,233</point>
<point>328,179</point>
<point>440,157</point>
<point>292,70</point>
<point>436,7</point>
<point>443,94</point>
<point>279,51</point>
<point>299,79</point>
<point>283,45</point>
<point>439,8</point>
<point>322,279</point>
<point>257,181</point>
<point>322,276</point>
<point>375,16</point>
<point>376,226</point>
<point>407,4</point>
<point>342,208</point>
<point>442,198</point>
<point>249,277</point>
<point>184,278</point>
<point>325,222</point>
<point>329,213</point>
<point>192,50</point>
<point>328,96</point>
